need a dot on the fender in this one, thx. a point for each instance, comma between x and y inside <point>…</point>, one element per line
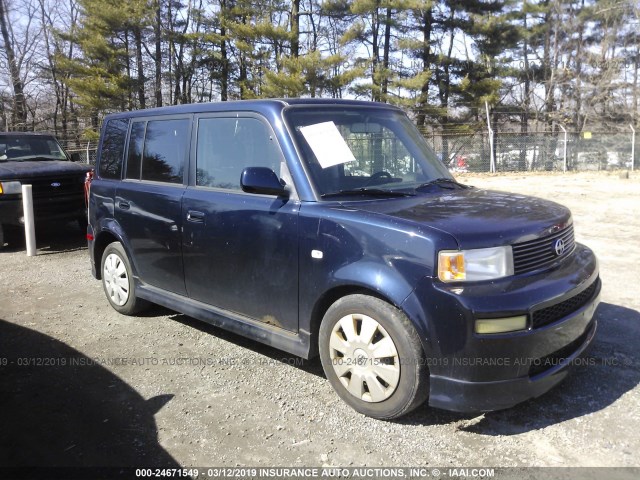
<point>350,252</point>
<point>111,227</point>
<point>422,306</point>
<point>363,277</point>
<point>375,276</point>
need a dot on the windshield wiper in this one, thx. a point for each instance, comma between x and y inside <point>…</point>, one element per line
<point>38,158</point>
<point>377,192</point>
<point>443,182</point>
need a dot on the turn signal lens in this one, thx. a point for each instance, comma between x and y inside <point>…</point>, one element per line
<point>10,188</point>
<point>475,265</point>
<point>451,266</point>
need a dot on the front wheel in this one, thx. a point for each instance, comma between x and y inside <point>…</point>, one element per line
<point>118,282</point>
<point>13,235</point>
<point>373,357</point>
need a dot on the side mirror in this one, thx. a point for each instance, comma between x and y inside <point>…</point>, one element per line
<point>262,180</point>
<point>75,157</point>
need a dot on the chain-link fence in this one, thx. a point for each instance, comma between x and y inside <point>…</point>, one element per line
<point>535,151</point>
<point>86,154</point>
<point>512,152</point>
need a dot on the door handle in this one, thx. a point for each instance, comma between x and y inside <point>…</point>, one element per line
<point>124,205</point>
<point>195,216</point>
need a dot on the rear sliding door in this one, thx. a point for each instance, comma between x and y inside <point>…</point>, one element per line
<point>148,200</point>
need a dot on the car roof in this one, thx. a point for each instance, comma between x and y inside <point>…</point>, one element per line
<point>28,134</point>
<point>262,105</point>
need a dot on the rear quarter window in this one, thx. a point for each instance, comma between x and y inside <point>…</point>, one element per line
<point>115,134</point>
<point>136,143</point>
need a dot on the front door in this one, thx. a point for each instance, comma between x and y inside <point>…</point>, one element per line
<point>240,250</point>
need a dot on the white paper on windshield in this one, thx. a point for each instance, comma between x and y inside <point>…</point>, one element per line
<point>327,144</point>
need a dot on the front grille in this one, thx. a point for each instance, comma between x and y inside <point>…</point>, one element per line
<point>65,200</point>
<point>67,185</point>
<point>559,357</point>
<point>560,310</point>
<point>541,252</point>
<point>62,207</point>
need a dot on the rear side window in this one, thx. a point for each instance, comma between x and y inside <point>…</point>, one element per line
<point>164,150</point>
<point>136,142</point>
<point>226,146</point>
<point>157,150</point>
<point>113,142</point>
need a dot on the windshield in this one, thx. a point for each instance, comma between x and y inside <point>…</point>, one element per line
<point>29,147</point>
<point>364,149</point>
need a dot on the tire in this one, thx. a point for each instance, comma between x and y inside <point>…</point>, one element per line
<point>117,281</point>
<point>12,235</point>
<point>373,358</point>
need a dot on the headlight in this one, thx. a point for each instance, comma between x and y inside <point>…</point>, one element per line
<point>9,188</point>
<point>473,265</point>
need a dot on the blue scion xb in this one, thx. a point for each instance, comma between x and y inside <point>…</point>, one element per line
<point>330,228</point>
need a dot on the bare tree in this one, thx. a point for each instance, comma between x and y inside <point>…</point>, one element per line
<point>19,114</point>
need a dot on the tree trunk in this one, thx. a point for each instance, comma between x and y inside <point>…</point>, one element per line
<point>128,69</point>
<point>171,33</point>
<point>75,125</point>
<point>295,28</point>
<point>57,86</point>
<point>524,120</point>
<point>242,77</point>
<point>157,31</point>
<point>375,54</point>
<point>427,18</point>
<point>224,73</point>
<point>444,85</point>
<point>224,56</point>
<point>549,88</point>
<point>3,116</point>
<point>634,100</point>
<point>137,35</point>
<point>385,55</point>
<point>19,117</point>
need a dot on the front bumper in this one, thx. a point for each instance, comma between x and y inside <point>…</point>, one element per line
<point>470,372</point>
<point>48,210</point>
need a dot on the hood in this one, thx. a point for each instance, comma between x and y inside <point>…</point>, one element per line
<point>45,168</point>
<point>477,218</point>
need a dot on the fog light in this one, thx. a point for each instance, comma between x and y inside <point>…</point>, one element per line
<point>501,325</point>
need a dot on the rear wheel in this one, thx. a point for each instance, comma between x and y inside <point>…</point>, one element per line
<point>373,357</point>
<point>118,282</point>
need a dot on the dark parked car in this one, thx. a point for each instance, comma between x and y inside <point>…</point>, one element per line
<point>330,227</point>
<point>58,183</point>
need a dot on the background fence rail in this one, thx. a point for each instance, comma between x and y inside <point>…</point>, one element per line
<point>536,151</point>
<point>514,152</point>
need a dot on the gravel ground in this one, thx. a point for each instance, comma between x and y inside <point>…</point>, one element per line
<point>83,385</point>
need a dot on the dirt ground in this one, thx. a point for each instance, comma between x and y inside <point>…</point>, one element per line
<point>82,385</point>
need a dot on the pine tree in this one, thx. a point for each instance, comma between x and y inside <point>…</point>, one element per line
<point>99,77</point>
